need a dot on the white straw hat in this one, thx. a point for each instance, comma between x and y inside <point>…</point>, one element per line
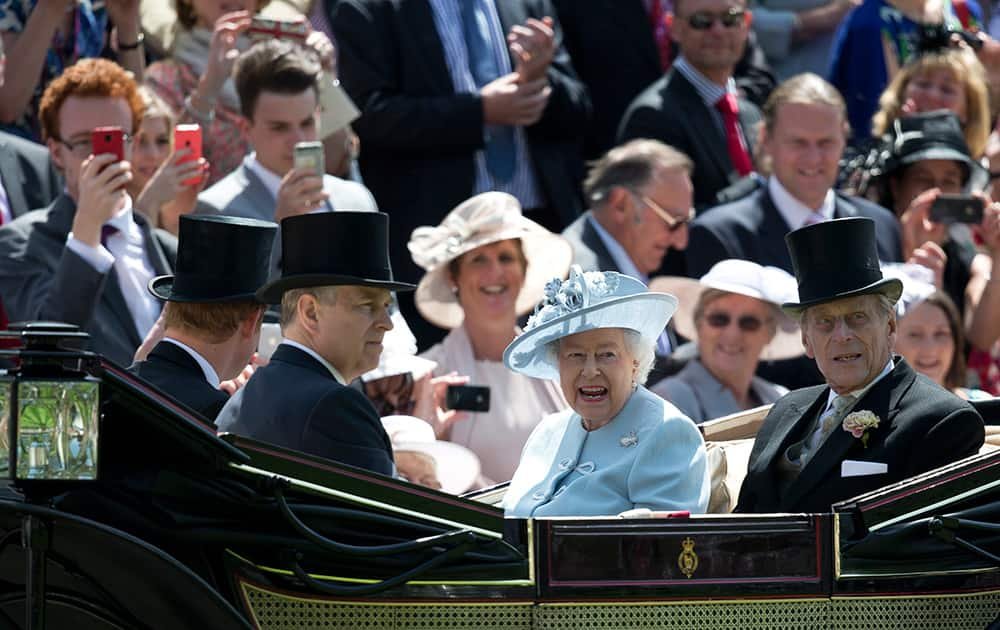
<point>586,301</point>
<point>486,218</point>
<point>769,284</point>
<point>457,466</point>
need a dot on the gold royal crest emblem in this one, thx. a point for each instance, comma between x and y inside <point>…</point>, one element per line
<point>688,560</point>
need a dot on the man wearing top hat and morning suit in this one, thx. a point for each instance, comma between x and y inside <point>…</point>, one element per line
<point>335,298</point>
<point>875,421</point>
<point>212,318</point>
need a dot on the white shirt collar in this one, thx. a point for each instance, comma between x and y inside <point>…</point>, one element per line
<point>794,211</point>
<point>210,374</point>
<point>859,393</point>
<point>336,375</point>
<point>270,180</point>
<point>124,222</point>
<point>618,253</point>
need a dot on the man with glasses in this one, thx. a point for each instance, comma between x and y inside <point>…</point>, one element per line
<point>86,258</point>
<point>640,195</point>
<point>696,107</point>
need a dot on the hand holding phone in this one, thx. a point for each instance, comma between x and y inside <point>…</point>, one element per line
<point>468,398</point>
<point>188,137</point>
<point>108,140</point>
<point>310,156</point>
<point>950,208</point>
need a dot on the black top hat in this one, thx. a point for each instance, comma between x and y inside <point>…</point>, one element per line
<point>837,259</point>
<point>929,136</point>
<point>219,259</point>
<point>334,248</point>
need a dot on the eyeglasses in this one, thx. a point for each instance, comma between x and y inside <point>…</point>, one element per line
<point>673,223</point>
<point>703,20</point>
<point>83,147</point>
<point>747,323</point>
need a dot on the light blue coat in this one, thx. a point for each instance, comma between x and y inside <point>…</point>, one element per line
<point>648,456</point>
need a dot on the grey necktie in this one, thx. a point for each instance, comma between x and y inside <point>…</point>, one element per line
<point>828,423</point>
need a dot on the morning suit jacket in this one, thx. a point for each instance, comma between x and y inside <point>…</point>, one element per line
<point>295,402</point>
<point>753,229</point>
<point>921,427</point>
<point>27,174</point>
<point>42,279</point>
<point>175,372</point>
<point>419,137</point>
<point>671,111</point>
<point>588,249</point>
<point>614,51</point>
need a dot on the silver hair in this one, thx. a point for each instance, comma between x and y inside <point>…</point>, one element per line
<point>643,351</point>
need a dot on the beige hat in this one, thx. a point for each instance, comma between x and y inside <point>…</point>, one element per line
<point>457,467</point>
<point>769,284</point>
<point>486,218</point>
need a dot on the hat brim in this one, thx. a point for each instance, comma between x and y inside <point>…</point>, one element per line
<point>892,288</point>
<point>162,287</point>
<point>548,255</point>
<point>271,292</point>
<point>787,341</point>
<point>457,466</point>
<point>944,153</point>
<point>646,313</point>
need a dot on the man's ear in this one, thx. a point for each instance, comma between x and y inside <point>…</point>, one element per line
<point>307,313</point>
<point>617,204</point>
<point>251,323</point>
<point>807,345</point>
<point>55,153</point>
<point>244,124</point>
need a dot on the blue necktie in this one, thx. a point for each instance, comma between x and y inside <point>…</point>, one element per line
<point>484,67</point>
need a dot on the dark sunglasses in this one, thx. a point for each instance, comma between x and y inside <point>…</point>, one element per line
<point>747,323</point>
<point>703,20</point>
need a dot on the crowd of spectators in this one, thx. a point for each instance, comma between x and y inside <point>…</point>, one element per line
<point>507,140</point>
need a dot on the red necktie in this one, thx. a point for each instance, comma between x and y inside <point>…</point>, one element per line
<point>660,32</point>
<point>737,152</point>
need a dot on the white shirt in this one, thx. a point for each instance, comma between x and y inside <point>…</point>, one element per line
<point>340,379</point>
<point>794,212</point>
<point>126,252</point>
<point>210,374</point>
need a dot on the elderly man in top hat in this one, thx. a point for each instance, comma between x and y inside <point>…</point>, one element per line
<point>335,298</point>
<point>875,421</point>
<point>212,318</point>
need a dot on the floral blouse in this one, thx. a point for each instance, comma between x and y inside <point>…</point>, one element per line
<point>223,142</point>
<point>88,40</point>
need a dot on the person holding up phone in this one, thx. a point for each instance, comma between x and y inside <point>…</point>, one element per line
<point>86,259</point>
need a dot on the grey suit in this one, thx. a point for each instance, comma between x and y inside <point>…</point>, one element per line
<point>42,279</point>
<point>243,194</point>
<point>700,396</point>
<point>27,174</point>
<point>588,249</point>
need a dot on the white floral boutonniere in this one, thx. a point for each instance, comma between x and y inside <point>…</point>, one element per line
<point>860,423</point>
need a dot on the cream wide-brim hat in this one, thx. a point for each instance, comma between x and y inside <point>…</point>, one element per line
<point>768,284</point>
<point>457,467</point>
<point>486,218</point>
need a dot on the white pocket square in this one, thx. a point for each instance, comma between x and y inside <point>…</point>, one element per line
<point>854,468</point>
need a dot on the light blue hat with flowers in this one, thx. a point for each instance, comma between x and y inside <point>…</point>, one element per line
<point>586,301</point>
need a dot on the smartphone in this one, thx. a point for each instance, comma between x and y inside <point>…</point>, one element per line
<point>468,397</point>
<point>262,28</point>
<point>108,140</point>
<point>957,209</point>
<point>310,156</point>
<point>189,137</point>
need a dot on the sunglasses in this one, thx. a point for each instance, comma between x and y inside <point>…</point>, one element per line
<point>703,20</point>
<point>747,323</point>
<point>673,223</point>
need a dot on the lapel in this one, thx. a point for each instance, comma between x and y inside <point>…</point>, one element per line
<point>417,20</point>
<point>590,238</point>
<point>699,120</point>
<point>773,229</point>
<point>157,257</point>
<point>843,208</point>
<point>882,400</point>
<point>256,194</point>
<point>13,180</point>
<point>748,124</point>
<point>800,413</point>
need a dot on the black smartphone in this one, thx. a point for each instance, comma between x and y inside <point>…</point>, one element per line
<point>957,209</point>
<point>468,398</point>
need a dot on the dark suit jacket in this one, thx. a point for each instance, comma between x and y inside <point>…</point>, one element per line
<point>27,174</point>
<point>296,403</point>
<point>671,111</point>
<point>420,137</point>
<point>175,372</point>
<point>614,51</point>
<point>753,229</point>
<point>41,278</point>
<point>588,249</point>
<point>922,427</point>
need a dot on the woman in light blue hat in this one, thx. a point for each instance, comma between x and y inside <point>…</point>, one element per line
<point>619,447</point>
